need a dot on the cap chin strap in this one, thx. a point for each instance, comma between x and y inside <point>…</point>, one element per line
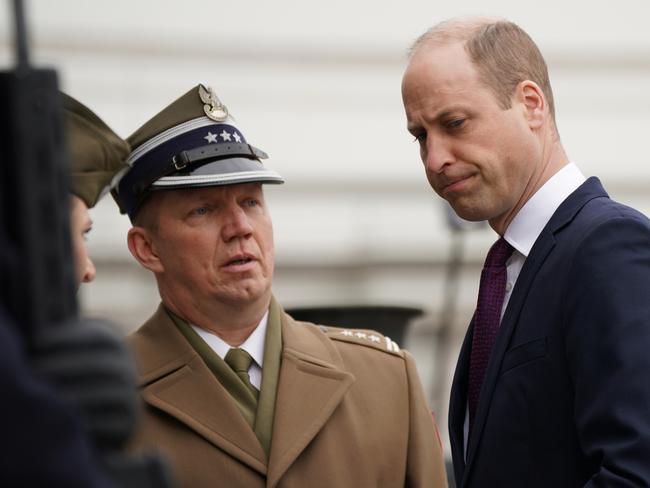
<point>136,193</point>
<point>209,153</point>
<point>196,156</point>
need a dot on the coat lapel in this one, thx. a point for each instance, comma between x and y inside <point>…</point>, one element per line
<point>540,251</point>
<point>175,380</point>
<point>312,384</point>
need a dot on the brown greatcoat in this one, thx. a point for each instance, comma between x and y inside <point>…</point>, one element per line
<point>349,413</point>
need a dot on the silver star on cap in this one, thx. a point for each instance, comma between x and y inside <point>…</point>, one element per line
<point>347,333</point>
<point>236,136</point>
<point>225,135</point>
<point>210,137</point>
<point>360,335</point>
<point>375,338</point>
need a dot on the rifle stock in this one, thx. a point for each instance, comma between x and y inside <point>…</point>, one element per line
<point>37,268</point>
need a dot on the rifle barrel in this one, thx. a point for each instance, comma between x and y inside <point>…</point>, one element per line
<point>22,48</point>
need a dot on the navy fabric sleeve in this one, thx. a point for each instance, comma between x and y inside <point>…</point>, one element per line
<point>608,349</point>
<point>42,444</point>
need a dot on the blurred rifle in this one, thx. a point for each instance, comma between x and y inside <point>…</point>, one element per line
<point>37,275</point>
<point>86,362</point>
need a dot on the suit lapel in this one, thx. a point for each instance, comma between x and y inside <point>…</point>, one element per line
<point>539,253</point>
<point>458,404</point>
<point>541,249</point>
<point>312,384</point>
<point>175,380</point>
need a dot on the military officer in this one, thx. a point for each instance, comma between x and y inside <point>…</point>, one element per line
<point>238,393</point>
<point>96,156</point>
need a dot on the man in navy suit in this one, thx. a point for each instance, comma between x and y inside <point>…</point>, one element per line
<point>563,399</point>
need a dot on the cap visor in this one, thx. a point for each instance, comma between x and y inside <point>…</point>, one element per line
<point>222,172</point>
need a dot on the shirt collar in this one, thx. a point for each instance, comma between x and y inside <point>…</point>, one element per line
<point>529,222</point>
<point>254,345</point>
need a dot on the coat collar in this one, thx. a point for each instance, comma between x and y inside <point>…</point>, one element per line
<point>175,380</point>
<point>312,383</point>
<point>543,246</point>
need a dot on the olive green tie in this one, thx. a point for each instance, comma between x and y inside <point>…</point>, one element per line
<point>239,361</point>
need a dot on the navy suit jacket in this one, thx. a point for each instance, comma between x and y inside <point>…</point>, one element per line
<point>566,397</point>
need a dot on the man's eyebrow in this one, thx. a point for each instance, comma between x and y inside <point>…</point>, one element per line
<point>450,111</point>
<point>443,114</point>
<point>412,127</point>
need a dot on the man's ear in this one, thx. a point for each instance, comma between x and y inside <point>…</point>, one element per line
<point>532,99</point>
<point>142,246</point>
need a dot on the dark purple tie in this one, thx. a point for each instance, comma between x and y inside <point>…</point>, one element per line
<point>486,319</point>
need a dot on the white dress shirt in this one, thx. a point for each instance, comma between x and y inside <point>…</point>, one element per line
<point>254,346</point>
<point>526,227</point>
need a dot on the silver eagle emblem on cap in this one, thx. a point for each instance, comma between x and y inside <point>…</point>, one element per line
<point>213,107</point>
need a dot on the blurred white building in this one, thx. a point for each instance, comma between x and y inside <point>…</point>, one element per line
<point>317,86</point>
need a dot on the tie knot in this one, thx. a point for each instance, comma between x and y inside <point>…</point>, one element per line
<point>498,254</point>
<point>239,360</point>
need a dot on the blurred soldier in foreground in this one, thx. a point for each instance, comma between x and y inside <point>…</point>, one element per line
<point>237,393</point>
<point>51,398</point>
<point>66,383</point>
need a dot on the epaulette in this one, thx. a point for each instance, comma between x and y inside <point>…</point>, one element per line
<point>363,337</point>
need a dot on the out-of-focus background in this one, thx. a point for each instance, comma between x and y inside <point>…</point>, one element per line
<point>317,86</point>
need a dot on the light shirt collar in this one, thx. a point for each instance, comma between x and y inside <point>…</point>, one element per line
<point>529,222</point>
<point>254,345</point>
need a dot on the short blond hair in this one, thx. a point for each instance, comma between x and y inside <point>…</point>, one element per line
<point>148,214</point>
<point>503,53</point>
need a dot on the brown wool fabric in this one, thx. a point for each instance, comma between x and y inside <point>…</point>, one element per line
<point>241,395</point>
<point>257,408</point>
